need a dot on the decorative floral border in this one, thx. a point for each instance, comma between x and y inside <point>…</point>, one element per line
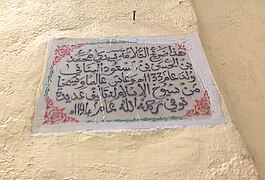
<point>202,107</point>
<point>181,47</point>
<point>64,50</point>
<point>53,114</point>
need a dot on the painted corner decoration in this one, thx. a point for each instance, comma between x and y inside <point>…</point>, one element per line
<point>138,83</point>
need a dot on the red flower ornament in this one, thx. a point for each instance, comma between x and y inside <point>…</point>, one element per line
<point>202,107</point>
<point>54,115</point>
<point>63,51</point>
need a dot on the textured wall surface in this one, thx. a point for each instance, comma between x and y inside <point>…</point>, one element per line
<point>25,28</point>
<point>233,36</point>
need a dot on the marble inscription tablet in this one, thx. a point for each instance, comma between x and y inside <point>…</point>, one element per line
<point>138,83</point>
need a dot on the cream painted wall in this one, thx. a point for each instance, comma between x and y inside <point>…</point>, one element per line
<point>233,35</point>
<point>26,27</point>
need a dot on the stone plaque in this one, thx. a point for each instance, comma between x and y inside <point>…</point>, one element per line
<point>126,83</point>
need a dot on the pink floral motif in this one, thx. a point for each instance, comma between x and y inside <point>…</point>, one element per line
<point>54,115</point>
<point>202,107</point>
<point>64,50</point>
<point>181,47</point>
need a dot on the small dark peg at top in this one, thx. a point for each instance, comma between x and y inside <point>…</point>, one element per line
<point>134,15</point>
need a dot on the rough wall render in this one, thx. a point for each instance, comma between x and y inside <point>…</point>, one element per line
<point>233,36</point>
<point>25,29</point>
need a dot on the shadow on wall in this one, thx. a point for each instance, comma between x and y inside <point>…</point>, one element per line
<point>233,35</point>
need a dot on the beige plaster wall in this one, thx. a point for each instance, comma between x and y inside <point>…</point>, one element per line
<point>233,35</point>
<point>25,28</point>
